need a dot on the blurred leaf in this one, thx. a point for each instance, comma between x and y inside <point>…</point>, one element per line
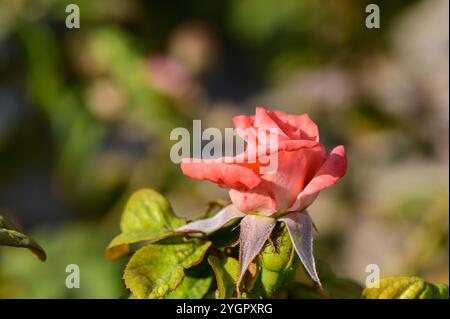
<point>156,269</point>
<point>226,271</point>
<point>338,288</point>
<point>67,244</point>
<point>215,206</point>
<point>272,19</point>
<point>148,216</point>
<point>11,236</point>
<point>118,51</point>
<point>302,291</point>
<point>333,286</point>
<point>403,287</point>
<point>343,288</point>
<point>41,45</point>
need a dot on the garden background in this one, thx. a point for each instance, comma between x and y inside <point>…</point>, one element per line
<point>85,118</point>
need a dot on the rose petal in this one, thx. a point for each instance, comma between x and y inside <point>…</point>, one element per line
<point>267,120</point>
<point>212,224</point>
<point>226,175</point>
<point>279,189</point>
<point>331,171</point>
<point>299,226</point>
<point>255,230</point>
<point>245,129</point>
<point>301,126</point>
<point>254,154</point>
<point>243,121</point>
<point>295,169</point>
<point>258,199</point>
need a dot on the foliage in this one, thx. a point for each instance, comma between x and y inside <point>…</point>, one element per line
<point>11,236</point>
<point>84,121</point>
<point>169,264</point>
<point>147,217</point>
<point>402,287</point>
<point>82,244</point>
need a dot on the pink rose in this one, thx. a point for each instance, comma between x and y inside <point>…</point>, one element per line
<point>304,167</point>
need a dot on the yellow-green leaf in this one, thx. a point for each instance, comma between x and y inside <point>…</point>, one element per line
<point>157,269</point>
<point>195,285</point>
<point>120,245</point>
<point>404,287</point>
<point>226,271</point>
<point>11,236</point>
<point>148,217</point>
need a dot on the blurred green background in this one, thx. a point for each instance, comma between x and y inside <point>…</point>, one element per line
<point>85,118</point>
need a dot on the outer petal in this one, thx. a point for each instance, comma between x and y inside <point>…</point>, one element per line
<point>295,170</point>
<point>243,121</point>
<point>212,224</point>
<point>331,171</point>
<point>279,189</point>
<point>255,230</point>
<point>299,226</point>
<point>258,199</point>
<point>245,129</point>
<point>217,171</point>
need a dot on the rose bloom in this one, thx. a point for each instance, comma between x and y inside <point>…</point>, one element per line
<point>304,165</point>
<point>263,197</point>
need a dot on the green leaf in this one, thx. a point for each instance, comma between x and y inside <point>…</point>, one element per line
<point>191,288</point>
<point>148,217</point>
<point>195,285</point>
<point>156,269</point>
<point>226,271</point>
<point>11,236</point>
<point>120,245</point>
<point>404,287</point>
